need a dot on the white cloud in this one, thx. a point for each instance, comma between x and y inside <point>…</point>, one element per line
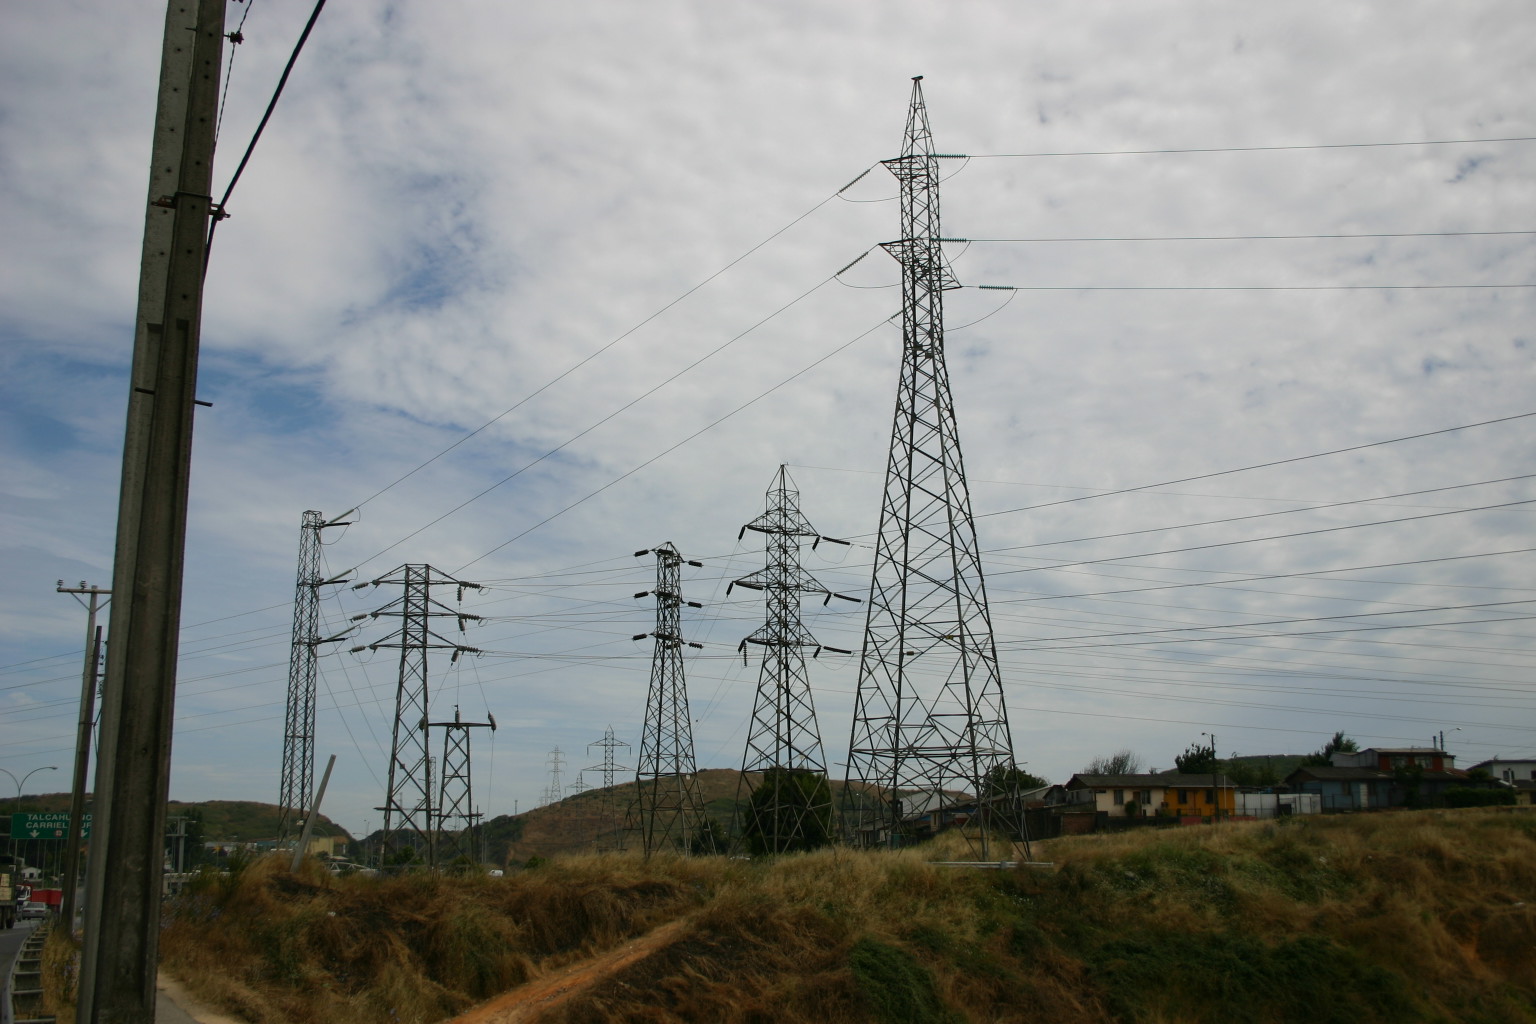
<point>455,203</point>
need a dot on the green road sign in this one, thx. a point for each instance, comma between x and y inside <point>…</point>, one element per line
<point>46,826</point>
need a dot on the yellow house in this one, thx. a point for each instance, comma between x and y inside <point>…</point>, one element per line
<point>1165,795</point>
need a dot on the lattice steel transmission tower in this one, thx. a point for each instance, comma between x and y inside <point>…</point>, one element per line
<point>609,768</point>
<point>667,807</point>
<point>556,788</point>
<point>929,716</point>
<point>297,788</point>
<point>409,802</point>
<point>784,771</point>
<point>456,798</point>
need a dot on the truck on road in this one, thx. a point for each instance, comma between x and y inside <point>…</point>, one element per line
<point>10,896</point>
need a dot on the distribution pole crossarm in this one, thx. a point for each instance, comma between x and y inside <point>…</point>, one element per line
<point>930,722</point>
<point>88,681</point>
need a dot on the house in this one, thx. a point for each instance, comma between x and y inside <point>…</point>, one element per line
<point>1510,770</point>
<point>1378,778</point>
<point>1169,794</point>
<point>1388,759</point>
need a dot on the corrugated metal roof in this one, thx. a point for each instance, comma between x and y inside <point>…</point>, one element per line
<point>1163,781</point>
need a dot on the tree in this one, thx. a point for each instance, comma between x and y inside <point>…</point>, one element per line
<point>1249,773</point>
<point>708,838</point>
<point>1009,779</point>
<point>1121,762</point>
<point>1199,759</point>
<point>790,811</point>
<point>1339,744</point>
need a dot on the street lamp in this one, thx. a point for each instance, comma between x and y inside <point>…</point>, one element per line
<point>23,782</point>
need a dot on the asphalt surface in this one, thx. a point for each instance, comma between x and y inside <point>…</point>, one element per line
<point>10,944</point>
<point>11,939</point>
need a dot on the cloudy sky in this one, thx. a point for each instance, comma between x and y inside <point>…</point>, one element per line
<point>535,286</point>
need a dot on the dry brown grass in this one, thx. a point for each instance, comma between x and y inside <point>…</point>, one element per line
<point>1402,917</point>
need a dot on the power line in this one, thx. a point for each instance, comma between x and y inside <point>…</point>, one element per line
<point>576,437</point>
<point>1232,149</point>
<point>220,208</point>
<point>1265,465</point>
<point>1276,576</point>
<point>1265,515</point>
<point>665,452</point>
<point>1236,287</point>
<point>1281,536</point>
<point>1247,238</point>
<point>551,383</point>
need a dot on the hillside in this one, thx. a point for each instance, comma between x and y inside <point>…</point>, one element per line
<point>223,820</point>
<point>582,823</point>
<point>1367,919</point>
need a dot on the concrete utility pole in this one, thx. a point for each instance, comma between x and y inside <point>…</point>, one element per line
<point>122,925</point>
<point>82,743</point>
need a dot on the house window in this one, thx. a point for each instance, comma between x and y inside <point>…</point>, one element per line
<point>1210,797</point>
<point>1119,797</point>
<point>1183,796</point>
<point>1509,775</point>
<point>1145,797</point>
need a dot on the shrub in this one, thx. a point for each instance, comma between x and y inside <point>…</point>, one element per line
<point>1465,796</point>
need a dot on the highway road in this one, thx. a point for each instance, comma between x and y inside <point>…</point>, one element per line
<point>10,944</point>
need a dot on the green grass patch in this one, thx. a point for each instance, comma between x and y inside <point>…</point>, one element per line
<point>897,987</point>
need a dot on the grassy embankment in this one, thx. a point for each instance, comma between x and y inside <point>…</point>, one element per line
<point>1419,916</point>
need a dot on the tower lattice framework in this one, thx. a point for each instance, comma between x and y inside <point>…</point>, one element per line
<point>788,802</point>
<point>667,806</point>
<point>929,715</point>
<point>297,788</point>
<point>457,819</point>
<point>409,804</point>
<point>610,768</point>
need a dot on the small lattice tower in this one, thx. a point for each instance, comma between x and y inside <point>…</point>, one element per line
<point>929,717</point>
<point>410,806</point>
<point>784,788</point>
<point>667,809</point>
<point>457,819</point>
<point>610,801</point>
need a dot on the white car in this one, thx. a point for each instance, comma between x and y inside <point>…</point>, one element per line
<point>32,908</point>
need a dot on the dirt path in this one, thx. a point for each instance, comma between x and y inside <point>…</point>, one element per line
<point>526,1003</point>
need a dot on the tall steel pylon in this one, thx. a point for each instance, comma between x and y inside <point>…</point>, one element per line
<point>409,802</point>
<point>667,807</point>
<point>929,716</point>
<point>610,767</point>
<point>455,795</point>
<point>297,789</point>
<point>788,802</point>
